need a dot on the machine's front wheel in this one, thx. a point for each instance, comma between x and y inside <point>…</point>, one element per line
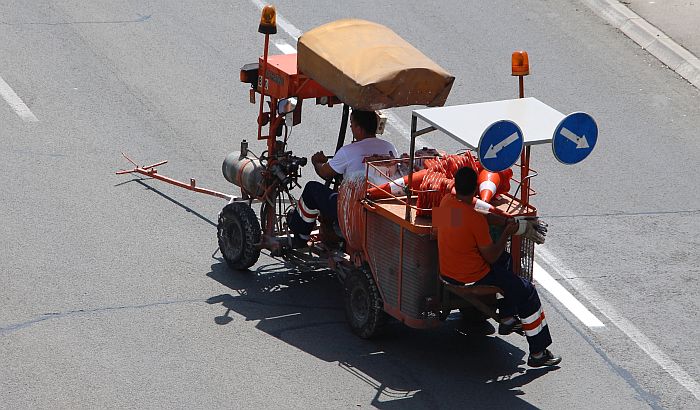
<point>239,235</point>
<point>363,304</point>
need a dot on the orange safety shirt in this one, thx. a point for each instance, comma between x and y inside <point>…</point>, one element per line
<point>460,230</point>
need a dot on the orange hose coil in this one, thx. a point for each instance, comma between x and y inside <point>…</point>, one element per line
<point>439,180</point>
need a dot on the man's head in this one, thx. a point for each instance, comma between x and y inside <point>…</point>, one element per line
<point>465,181</point>
<point>363,124</point>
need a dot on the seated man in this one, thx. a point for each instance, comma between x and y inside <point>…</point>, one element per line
<point>469,256</point>
<point>319,199</point>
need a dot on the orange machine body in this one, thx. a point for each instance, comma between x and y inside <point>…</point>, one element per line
<point>282,79</point>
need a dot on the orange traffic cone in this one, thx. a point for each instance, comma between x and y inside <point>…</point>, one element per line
<point>488,184</point>
<point>492,183</point>
<point>396,187</point>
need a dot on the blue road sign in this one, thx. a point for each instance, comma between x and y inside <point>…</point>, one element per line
<point>574,138</point>
<point>500,145</point>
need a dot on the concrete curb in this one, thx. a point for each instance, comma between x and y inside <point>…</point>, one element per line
<point>649,38</point>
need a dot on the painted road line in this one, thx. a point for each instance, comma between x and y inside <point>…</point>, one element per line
<point>567,299</point>
<point>16,103</point>
<point>284,47</point>
<point>625,326</point>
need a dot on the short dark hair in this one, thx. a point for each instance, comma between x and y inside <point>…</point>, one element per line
<point>465,181</point>
<point>367,120</point>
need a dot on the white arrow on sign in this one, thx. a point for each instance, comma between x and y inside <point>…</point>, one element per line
<point>495,149</point>
<point>581,142</point>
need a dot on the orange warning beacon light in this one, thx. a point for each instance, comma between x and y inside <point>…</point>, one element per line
<point>268,20</point>
<point>520,63</point>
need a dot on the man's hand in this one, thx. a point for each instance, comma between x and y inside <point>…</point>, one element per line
<point>320,162</point>
<point>532,228</point>
<point>319,158</point>
<point>511,227</point>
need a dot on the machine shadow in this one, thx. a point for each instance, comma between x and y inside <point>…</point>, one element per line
<point>408,368</point>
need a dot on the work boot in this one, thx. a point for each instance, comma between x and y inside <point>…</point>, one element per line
<point>546,359</point>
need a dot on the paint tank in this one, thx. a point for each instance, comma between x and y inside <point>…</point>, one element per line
<point>244,172</point>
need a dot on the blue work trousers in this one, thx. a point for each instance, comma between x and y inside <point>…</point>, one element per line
<point>316,199</point>
<point>520,299</point>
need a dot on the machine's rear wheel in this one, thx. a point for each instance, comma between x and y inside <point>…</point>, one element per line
<point>239,234</point>
<point>363,304</point>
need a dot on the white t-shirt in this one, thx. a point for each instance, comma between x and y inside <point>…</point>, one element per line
<point>348,160</point>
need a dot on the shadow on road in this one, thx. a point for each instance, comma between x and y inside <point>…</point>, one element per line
<point>408,368</point>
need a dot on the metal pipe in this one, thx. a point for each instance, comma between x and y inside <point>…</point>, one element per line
<point>341,138</point>
<point>516,241</point>
<point>191,186</point>
<point>411,158</point>
<point>425,131</point>
<point>343,127</point>
<point>262,85</point>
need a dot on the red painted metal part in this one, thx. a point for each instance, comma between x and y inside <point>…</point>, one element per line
<point>284,80</point>
<point>516,241</point>
<point>261,85</point>
<point>151,171</point>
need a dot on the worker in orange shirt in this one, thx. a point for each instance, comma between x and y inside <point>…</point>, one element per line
<point>468,256</point>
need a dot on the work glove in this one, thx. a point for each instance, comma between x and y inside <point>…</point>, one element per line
<point>531,227</point>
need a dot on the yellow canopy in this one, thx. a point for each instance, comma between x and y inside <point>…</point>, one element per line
<point>369,67</point>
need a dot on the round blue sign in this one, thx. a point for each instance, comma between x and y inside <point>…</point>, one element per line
<point>574,138</point>
<point>500,145</point>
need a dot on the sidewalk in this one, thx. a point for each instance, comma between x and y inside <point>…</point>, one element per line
<point>668,29</point>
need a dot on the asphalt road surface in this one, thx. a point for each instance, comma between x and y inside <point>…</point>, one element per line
<point>114,296</point>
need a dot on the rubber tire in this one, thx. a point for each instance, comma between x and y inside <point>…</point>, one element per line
<point>363,304</point>
<point>239,233</point>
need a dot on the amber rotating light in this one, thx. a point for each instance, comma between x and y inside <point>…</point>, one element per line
<point>268,21</point>
<point>520,63</point>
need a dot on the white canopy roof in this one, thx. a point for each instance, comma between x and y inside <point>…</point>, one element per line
<point>466,123</point>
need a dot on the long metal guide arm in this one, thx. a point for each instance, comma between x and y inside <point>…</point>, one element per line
<point>151,171</point>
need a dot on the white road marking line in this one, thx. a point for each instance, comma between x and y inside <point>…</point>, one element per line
<point>653,351</point>
<point>284,47</point>
<point>16,103</point>
<point>567,299</point>
<point>629,329</point>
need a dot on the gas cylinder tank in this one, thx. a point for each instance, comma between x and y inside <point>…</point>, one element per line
<point>244,172</point>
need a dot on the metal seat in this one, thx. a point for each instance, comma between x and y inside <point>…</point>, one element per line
<point>475,295</point>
